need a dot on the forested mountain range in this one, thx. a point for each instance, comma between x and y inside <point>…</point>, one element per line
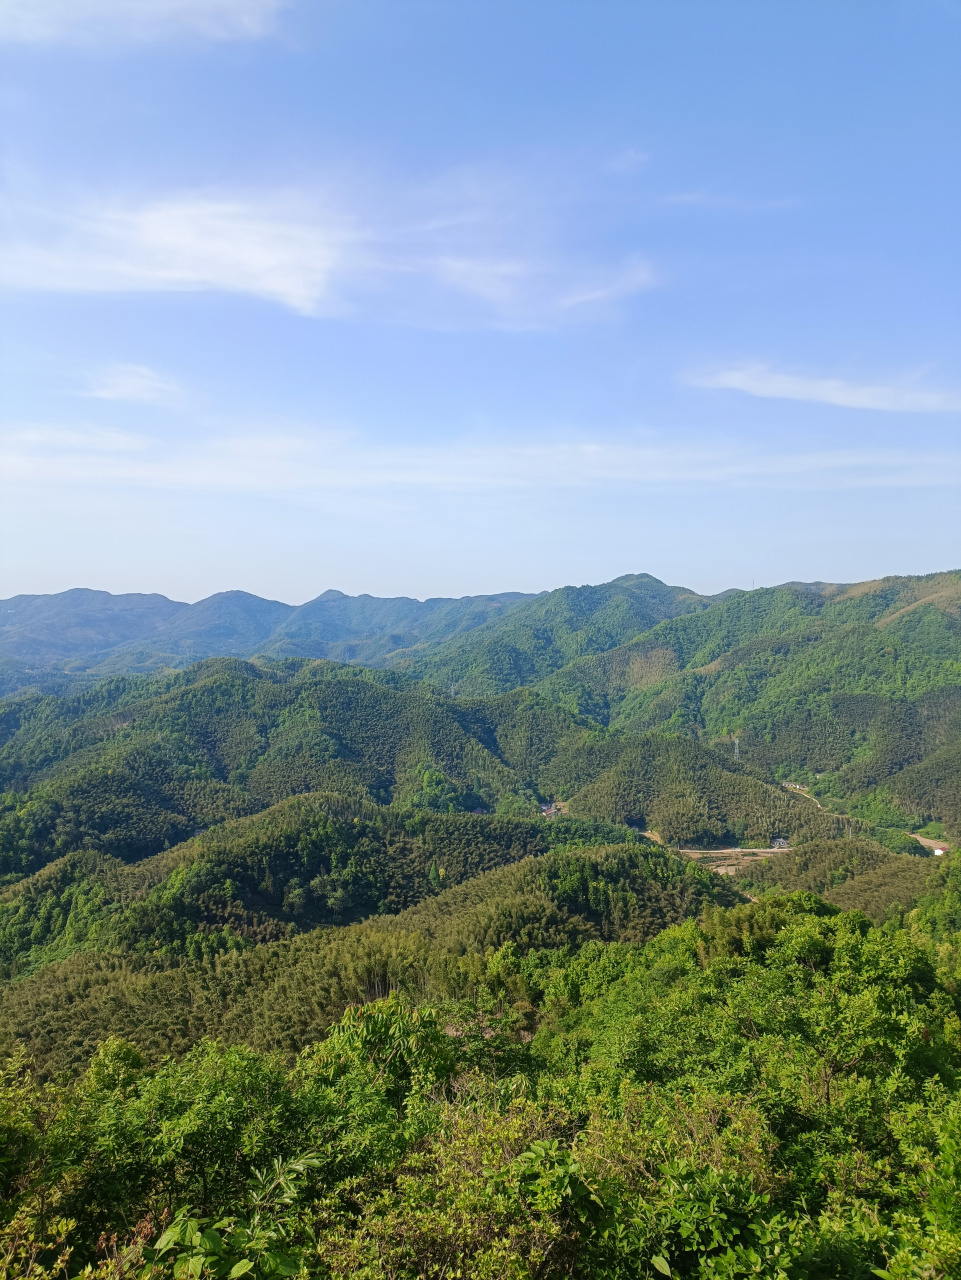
<point>138,763</point>
<point>852,694</point>
<point>849,690</point>
<point>85,631</point>
<point>297,978</point>
<point>519,637</point>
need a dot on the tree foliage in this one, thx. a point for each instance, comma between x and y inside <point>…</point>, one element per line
<point>769,1090</point>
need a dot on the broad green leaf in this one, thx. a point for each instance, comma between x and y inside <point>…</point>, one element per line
<point>281,1264</point>
<point>173,1235</point>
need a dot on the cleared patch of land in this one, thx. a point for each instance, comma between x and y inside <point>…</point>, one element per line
<point>728,862</point>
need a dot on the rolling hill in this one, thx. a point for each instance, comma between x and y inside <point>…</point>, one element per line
<point>854,874</point>
<point>137,764</point>
<point>284,991</point>
<point>312,861</point>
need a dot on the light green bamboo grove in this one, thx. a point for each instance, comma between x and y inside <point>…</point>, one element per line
<point>769,1090</point>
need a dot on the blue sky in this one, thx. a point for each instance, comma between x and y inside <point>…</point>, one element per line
<point>442,298</point>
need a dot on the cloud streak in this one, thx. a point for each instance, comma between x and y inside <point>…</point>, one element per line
<point>113,21</point>
<point>325,462</point>
<point>769,384</point>
<point>134,384</point>
<point>190,243</point>
<point>452,253</point>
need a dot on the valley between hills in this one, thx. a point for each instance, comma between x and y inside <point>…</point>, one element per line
<point>388,938</point>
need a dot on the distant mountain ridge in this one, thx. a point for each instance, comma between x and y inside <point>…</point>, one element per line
<point>484,644</point>
<point>635,653</point>
<point>95,632</point>
<point>47,629</point>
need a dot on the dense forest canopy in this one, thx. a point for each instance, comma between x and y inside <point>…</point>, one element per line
<point>413,965</point>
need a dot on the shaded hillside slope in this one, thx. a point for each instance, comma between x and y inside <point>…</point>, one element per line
<point>284,994</point>
<point>932,786</point>
<point>311,861</point>
<point>693,796</point>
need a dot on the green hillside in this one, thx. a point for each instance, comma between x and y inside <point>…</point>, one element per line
<point>308,862</point>
<point>854,874</point>
<point>843,689</point>
<point>898,636</point>
<point>286,992</point>
<point>694,796</point>
<point>136,764</point>
<point>543,634</point>
<point>544,1081</point>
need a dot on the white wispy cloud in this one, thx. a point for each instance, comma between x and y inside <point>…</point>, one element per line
<point>25,443</point>
<point>451,253</point>
<point>532,291</point>
<point>759,380</point>
<point>194,242</point>
<point>632,277</point>
<point>313,461</point>
<point>135,383</point>
<point>98,21</point>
